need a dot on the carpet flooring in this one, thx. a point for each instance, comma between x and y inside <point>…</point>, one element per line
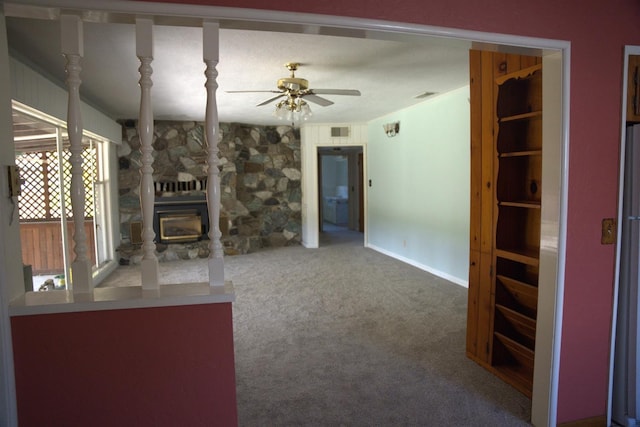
<point>345,336</point>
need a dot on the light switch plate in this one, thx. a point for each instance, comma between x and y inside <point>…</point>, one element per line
<point>609,231</point>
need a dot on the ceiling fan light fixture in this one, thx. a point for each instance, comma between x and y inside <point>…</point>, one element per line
<point>293,109</point>
<point>292,89</point>
<point>305,110</point>
<point>281,110</point>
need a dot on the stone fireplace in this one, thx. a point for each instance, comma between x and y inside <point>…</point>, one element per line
<point>260,188</point>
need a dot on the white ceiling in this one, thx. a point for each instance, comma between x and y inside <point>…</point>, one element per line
<point>388,73</point>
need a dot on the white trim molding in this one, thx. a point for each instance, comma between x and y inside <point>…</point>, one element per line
<point>457,280</point>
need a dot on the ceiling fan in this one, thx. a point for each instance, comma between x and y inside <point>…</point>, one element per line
<point>294,89</point>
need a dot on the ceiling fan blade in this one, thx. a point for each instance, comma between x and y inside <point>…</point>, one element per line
<point>252,91</point>
<point>317,99</point>
<point>270,100</point>
<point>351,92</point>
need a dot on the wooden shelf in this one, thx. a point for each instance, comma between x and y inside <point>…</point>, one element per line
<point>522,324</point>
<point>521,153</point>
<point>519,74</point>
<point>518,231</point>
<point>519,95</point>
<point>523,293</point>
<point>534,204</point>
<point>519,176</point>
<point>521,134</point>
<point>524,255</point>
<point>522,116</point>
<point>519,378</point>
<point>523,355</point>
<point>517,369</point>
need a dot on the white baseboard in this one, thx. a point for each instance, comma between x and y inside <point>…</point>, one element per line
<point>458,281</point>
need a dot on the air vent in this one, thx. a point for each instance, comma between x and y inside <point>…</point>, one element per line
<point>337,132</point>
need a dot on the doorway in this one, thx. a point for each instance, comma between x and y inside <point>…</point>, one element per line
<point>340,189</point>
<point>557,219</point>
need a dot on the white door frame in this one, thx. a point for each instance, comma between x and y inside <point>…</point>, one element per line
<point>555,53</point>
<point>311,192</point>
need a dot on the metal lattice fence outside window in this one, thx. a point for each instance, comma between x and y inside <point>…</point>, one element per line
<point>41,196</point>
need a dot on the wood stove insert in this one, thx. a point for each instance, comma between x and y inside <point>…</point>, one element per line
<point>179,226</point>
<point>180,219</point>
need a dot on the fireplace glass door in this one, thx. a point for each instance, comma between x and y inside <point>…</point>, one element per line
<point>180,226</point>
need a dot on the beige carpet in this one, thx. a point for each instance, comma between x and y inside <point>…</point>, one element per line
<point>343,335</point>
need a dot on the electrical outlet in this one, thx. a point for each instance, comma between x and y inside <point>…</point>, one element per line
<point>609,231</point>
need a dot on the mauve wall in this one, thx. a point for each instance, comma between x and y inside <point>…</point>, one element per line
<point>163,366</point>
<point>598,31</point>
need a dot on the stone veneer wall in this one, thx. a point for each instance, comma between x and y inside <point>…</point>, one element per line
<point>260,183</point>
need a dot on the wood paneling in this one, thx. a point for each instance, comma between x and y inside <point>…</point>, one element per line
<point>42,245</point>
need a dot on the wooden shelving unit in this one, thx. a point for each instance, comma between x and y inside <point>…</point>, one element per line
<point>517,217</point>
<point>505,210</point>
<point>633,90</point>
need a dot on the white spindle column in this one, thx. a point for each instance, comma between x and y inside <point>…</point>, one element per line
<point>210,32</point>
<point>72,49</point>
<point>144,51</point>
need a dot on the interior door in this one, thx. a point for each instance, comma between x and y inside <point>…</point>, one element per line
<point>626,377</point>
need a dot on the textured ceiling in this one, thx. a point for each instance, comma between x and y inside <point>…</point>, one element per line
<point>388,73</point>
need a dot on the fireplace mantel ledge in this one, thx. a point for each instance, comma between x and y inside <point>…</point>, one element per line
<point>119,298</point>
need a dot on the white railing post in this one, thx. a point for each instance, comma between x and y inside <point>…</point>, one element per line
<point>72,48</point>
<point>210,31</point>
<point>144,51</point>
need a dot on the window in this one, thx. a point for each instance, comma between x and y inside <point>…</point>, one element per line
<point>44,205</point>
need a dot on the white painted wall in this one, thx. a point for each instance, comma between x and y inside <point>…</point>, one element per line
<point>418,203</point>
<point>31,88</point>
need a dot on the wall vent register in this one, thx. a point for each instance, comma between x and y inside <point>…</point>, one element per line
<point>337,132</point>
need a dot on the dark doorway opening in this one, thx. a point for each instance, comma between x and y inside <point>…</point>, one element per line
<point>340,189</point>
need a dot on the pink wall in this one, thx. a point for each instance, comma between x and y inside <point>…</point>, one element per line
<point>165,366</point>
<point>598,31</point>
